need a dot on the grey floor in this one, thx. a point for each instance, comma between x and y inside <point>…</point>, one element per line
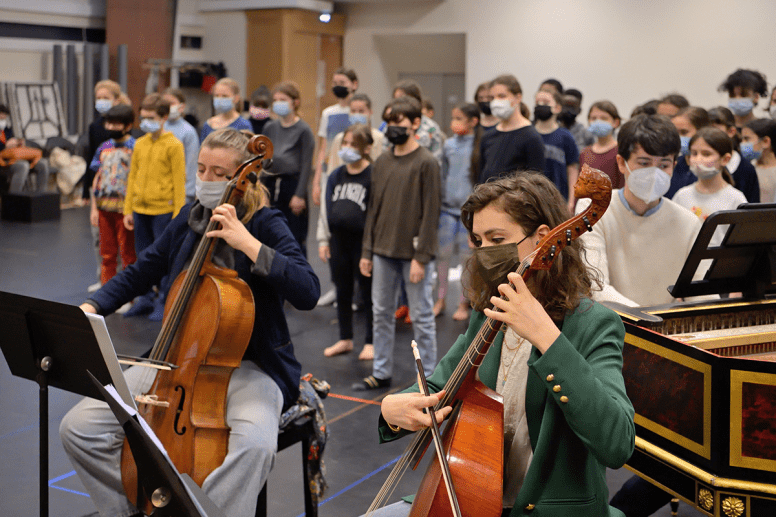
<point>53,260</point>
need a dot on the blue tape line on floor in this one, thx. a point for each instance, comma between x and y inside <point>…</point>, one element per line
<point>63,476</point>
<point>20,430</point>
<point>353,485</point>
<point>68,490</point>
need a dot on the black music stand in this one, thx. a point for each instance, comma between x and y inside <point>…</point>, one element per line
<point>169,492</point>
<point>52,344</point>
<point>744,262</point>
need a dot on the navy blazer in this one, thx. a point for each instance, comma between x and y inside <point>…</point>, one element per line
<point>281,273</point>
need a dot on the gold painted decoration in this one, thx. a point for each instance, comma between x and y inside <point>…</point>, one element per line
<point>706,499</point>
<point>733,507</point>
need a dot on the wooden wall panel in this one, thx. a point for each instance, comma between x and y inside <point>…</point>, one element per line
<point>264,49</point>
<point>287,44</point>
<point>146,27</point>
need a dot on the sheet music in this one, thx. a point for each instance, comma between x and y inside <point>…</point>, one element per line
<point>133,413</point>
<point>109,355</point>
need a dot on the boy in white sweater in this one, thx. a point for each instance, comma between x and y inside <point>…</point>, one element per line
<point>642,241</point>
<point>640,245</point>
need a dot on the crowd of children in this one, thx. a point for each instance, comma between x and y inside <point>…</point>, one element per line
<point>389,224</point>
<point>726,157</point>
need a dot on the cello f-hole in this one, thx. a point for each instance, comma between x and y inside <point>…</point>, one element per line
<point>179,410</point>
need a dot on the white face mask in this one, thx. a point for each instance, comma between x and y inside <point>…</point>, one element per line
<point>502,108</point>
<point>772,111</point>
<point>649,183</point>
<point>209,193</point>
<point>175,112</point>
<point>3,124</point>
<point>703,171</point>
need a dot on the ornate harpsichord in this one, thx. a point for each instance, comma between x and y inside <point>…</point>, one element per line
<point>702,375</point>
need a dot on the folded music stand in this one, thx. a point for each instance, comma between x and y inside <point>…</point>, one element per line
<point>171,493</point>
<point>52,344</point>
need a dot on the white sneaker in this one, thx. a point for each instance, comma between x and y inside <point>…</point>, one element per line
<point>124,308</point>
<point>327,298</point>
<point>94,287</point>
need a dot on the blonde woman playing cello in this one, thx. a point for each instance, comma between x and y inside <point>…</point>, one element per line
<point>260,247</point>
<point>558,365</point>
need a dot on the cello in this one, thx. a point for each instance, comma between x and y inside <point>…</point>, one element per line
<point>474,433</point>
<point>208,322</point>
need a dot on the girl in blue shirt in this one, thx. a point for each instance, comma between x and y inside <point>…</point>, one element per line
<point>460,161</point>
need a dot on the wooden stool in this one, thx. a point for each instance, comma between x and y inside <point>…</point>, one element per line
<point>301,430</point>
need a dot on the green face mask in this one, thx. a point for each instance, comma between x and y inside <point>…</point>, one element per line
<point>493,263</point>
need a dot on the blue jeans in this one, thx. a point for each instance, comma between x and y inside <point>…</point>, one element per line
<point>453,239</point>
<point>148,228</point>
<point>387,274</point>
<point>93,439</point>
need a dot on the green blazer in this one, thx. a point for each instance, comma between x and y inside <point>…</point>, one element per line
<point>575,438</point>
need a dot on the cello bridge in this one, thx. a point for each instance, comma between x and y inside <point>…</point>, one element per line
<point>151,400</point>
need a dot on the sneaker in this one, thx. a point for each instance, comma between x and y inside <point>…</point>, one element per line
<point>371,383</point>
<point>143,305</point>
<point>157,314</point>
<point>327,298</point>
<point>124,308</point>
<point>94,287</point>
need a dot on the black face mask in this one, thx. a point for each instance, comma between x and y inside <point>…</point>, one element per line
<point>485,108</point>
<point>115,134</point>
<point>397,135</point>
<point>568,116</point>
<point>543,113</point>
<point>340,91</point>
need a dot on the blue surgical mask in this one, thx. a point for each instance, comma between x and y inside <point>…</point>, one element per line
<point>600,128</point>
<point>349,155</point>
<point>149,125</point>
<point>748,152</point>
<point>741,107</point>
<point>281,108</point>
<point>209,193</point>
<point>685,145</point>
<point>223,104</point>
<point>103,106</point>
<point>358,118</point>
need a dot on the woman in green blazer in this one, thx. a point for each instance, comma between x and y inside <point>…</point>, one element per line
<point>558,365</point>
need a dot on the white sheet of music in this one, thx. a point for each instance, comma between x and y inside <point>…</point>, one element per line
<point>109,355</point>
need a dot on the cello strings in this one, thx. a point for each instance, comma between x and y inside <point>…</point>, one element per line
<point>169,328</point>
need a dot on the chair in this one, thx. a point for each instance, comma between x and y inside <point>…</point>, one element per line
<point>299,430</point>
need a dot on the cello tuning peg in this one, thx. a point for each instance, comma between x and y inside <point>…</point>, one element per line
<point>587,224</point>
<point>568,237</point>
<point>553,249</point>
<point>252,177</point>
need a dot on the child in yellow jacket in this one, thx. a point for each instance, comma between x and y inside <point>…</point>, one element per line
<point>155,188</point>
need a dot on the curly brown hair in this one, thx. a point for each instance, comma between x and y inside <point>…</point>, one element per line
<point>532,200</point>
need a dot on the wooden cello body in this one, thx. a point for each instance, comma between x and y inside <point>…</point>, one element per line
<point>474,443</point>
<point>207,326</point>
<point>473,437</point>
